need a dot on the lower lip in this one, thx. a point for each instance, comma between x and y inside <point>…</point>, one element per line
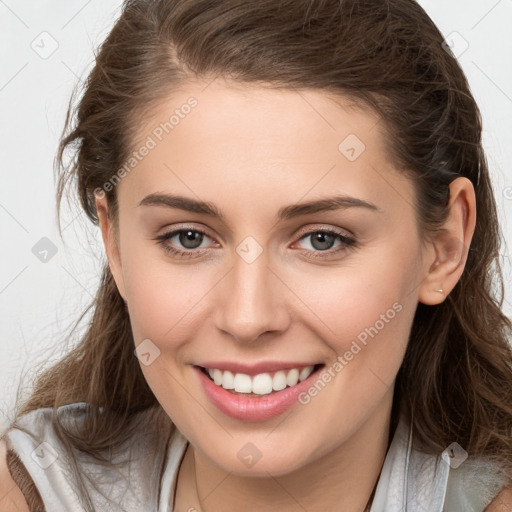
<point>248,408</point>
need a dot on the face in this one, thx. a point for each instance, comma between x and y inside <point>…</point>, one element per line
<point>258,283</point>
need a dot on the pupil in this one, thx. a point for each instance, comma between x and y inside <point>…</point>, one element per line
<point>190,240</point>
<point>322,241</point>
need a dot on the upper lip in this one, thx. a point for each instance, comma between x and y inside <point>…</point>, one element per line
<point>257,368</point>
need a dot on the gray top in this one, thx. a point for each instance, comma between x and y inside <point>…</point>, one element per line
<point>410,480</point>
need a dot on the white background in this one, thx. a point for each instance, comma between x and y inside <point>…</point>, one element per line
<point>40,301</point>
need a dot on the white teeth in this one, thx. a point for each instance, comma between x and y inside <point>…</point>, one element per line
<point>279,381</point>
<point>243,383</point>
<point>261,384</point>
<point>228,380</point>
<point>293,377</point>
<point>217,377</point>
<point>305,372</point>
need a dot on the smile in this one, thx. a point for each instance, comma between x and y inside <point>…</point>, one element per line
<point>249,393</point>
<point>260,384</point>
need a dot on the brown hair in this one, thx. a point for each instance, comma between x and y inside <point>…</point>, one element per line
<point>385,54</point>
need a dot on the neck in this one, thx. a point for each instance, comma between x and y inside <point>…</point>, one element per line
<point>346,476</point>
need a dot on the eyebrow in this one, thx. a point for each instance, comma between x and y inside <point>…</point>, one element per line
<point>340,202</point>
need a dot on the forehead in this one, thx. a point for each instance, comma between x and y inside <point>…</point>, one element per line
<point>223,112</point>
<point>245,142</point>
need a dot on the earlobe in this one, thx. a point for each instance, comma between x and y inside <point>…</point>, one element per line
<point>450,244</point>
<point>110,242</point>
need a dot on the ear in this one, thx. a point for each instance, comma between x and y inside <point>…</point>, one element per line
<point>110,241</point>
<point>449,247</point>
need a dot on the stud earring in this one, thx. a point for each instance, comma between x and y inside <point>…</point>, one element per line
<point>440,291</point>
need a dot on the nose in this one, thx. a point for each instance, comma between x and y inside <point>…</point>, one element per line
<point>252,301</point>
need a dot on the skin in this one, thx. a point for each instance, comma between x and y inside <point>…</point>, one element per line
<point>250,151</point>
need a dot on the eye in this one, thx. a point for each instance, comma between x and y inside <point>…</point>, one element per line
<point>186,242</point>
<point>188,238</point>
<point>322,241</point>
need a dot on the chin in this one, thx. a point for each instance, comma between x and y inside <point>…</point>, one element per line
<point>250,460</point>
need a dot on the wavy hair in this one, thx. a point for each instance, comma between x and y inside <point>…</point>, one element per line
<point>386,55</point>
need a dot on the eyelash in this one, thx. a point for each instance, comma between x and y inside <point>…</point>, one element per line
<point>346,243</point>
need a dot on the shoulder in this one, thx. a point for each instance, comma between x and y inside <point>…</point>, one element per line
<point>20,476</point>
<point>479,483</point>
<point>502,502</point>
<point>11,497</point>
<point>46,464</point>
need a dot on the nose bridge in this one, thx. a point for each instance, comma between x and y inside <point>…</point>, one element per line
<point>251,302</point>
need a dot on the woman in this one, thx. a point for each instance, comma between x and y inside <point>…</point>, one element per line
<point>297,310</point>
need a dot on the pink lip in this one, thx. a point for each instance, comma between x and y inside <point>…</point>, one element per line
<point>248,408</point>
<point>254,369</point>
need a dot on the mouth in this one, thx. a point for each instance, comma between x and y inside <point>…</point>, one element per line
<point>261,384</point>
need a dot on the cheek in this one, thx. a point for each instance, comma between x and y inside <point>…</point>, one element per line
<point>163,298</point>
<point>364,317</point>
<point>363,311</point>
<point>164,304</point>
<point>347,302</point>
<point>367,331</point>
